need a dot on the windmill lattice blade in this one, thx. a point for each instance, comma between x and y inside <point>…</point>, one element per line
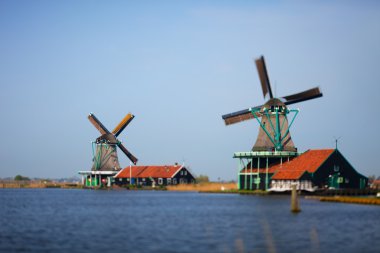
<point>239,116</point>
<point>127,153</point>
<point>264,78</point>
<point>97,124</point>
<point>120,127</point>
<point>303,96</point>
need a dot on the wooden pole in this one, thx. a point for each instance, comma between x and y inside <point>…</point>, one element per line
<point>294,207</point>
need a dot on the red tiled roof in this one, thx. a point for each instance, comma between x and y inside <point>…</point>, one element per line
<point>288,174</point>
<point>164,171</point>
<point>311,160</point>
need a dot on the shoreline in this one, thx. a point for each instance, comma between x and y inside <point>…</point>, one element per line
<point>214,188</point>
<point>38,185</point>
<point>369,200</point>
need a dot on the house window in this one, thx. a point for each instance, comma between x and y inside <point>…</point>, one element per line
<point>168,180</point>
<point>347,180</point>
<point>181,172</point>
<point>174,180</point>
<point>185,172</point>
<point>160,181</point>
<point>336,168</point>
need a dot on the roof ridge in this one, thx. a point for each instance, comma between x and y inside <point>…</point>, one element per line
<point>320,149</point>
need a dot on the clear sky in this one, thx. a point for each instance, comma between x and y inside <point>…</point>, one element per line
<point>178,66</point>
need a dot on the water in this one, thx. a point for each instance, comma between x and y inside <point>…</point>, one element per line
<point>58,220</point>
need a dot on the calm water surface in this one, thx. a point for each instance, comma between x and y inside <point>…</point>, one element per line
<point>57,220</point>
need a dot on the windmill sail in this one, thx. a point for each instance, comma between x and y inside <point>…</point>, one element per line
<point>239,116</point>
<point>123,124</point>
<point>264,78</point>
<point>302,96</point>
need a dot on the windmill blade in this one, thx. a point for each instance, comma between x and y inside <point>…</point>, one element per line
<point>123,124</point>
<point>302,96</point>
<point>97,124</point>
<point>239,116</point>
<point>127,153</point>
<point>264,78</point>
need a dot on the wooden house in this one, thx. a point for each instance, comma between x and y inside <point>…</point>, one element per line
<point>154,175</point>
<point>311,170</point>
<point>317,169</point>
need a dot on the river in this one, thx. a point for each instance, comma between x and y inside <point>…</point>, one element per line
<point>72,220</point>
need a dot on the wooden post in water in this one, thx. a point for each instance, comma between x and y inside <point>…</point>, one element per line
<point>294,207</point>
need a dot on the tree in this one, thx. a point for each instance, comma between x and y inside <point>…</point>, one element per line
<point>202,179</point>
<point>21,178</point>
<point>371,179</point>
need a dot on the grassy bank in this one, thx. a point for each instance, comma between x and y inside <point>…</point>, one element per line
<point>352,200</point>
<point>213,188</point>
<point>204,187</point>
<point>38,184</point>
<point>242,192</point>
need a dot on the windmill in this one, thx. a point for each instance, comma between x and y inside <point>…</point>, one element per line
<point>274,132</point>
<point>105,155</point>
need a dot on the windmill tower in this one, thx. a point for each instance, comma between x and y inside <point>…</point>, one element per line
<point>105,156</point>
<point>105,159</point>
<point>274,142</point>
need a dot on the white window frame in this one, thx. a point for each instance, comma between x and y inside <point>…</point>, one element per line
<point>160,181</point>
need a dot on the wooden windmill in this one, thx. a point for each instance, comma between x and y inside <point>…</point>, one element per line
<point>274,132</point>
<point>105,155</point>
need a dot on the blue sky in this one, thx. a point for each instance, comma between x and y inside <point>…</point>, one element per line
<point>178,66</point>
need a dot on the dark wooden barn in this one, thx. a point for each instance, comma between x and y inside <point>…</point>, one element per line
<point>154,175</point>
<point>313,169</point>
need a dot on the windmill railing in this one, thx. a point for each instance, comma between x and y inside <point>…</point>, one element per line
<point>251,154</point>
<point>97,172</point>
